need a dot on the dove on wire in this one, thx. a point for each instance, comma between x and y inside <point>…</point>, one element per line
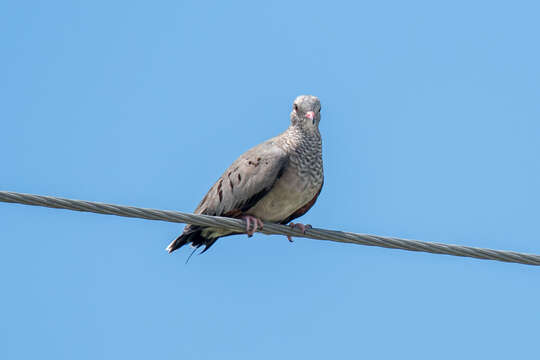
<point>276,181</point>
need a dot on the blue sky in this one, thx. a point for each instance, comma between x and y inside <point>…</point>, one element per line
<point>431,131</point>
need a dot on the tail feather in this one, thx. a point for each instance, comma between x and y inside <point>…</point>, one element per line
<point>194,236</point>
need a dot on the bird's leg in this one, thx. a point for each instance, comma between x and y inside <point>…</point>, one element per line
<point>302,228</point>
<point>257,224</point>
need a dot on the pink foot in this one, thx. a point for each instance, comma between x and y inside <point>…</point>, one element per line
<point>257,224</point>
<point>302,228</point>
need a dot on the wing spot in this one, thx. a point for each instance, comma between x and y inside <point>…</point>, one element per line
<point>255,163</point>
<point>219,191</point>
<point>230,181</point>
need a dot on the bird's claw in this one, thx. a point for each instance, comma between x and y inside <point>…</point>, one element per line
<point>257,224</point>
<point>302,228</point>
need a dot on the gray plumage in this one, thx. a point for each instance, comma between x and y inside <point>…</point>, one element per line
<point>276,181</point>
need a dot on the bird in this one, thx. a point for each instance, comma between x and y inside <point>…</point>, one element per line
<point>276,181</point>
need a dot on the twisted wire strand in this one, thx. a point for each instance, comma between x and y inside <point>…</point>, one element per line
<point>269,228</point>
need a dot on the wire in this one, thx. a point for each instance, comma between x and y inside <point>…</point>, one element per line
<point>269,228</point>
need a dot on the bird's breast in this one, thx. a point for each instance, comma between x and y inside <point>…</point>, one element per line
<point>290,192</point>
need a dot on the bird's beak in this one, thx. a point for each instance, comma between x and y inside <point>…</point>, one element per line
<point>310,115</point>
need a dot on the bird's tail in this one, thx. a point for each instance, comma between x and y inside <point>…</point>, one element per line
<point>193,235</point>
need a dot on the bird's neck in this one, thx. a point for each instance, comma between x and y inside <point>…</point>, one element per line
<point>305,153</point>
<point>299,132</point>
<point>297,137</point>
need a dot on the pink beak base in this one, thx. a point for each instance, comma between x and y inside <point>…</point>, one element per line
<point>310,115</point>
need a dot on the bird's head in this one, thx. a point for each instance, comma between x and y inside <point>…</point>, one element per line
<point>306,112</point>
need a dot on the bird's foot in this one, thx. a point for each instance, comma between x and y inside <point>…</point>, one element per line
<point>257,224</point>
<point>302,228</point>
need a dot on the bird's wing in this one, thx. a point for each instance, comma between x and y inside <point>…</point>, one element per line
<point>246,181</point>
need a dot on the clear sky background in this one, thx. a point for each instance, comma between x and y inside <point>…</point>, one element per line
<point>431,129</point>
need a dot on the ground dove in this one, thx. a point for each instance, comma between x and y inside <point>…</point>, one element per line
<point>276,181</point>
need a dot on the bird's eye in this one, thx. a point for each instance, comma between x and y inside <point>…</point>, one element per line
<point>320,109</point>
<point>295,107</point>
